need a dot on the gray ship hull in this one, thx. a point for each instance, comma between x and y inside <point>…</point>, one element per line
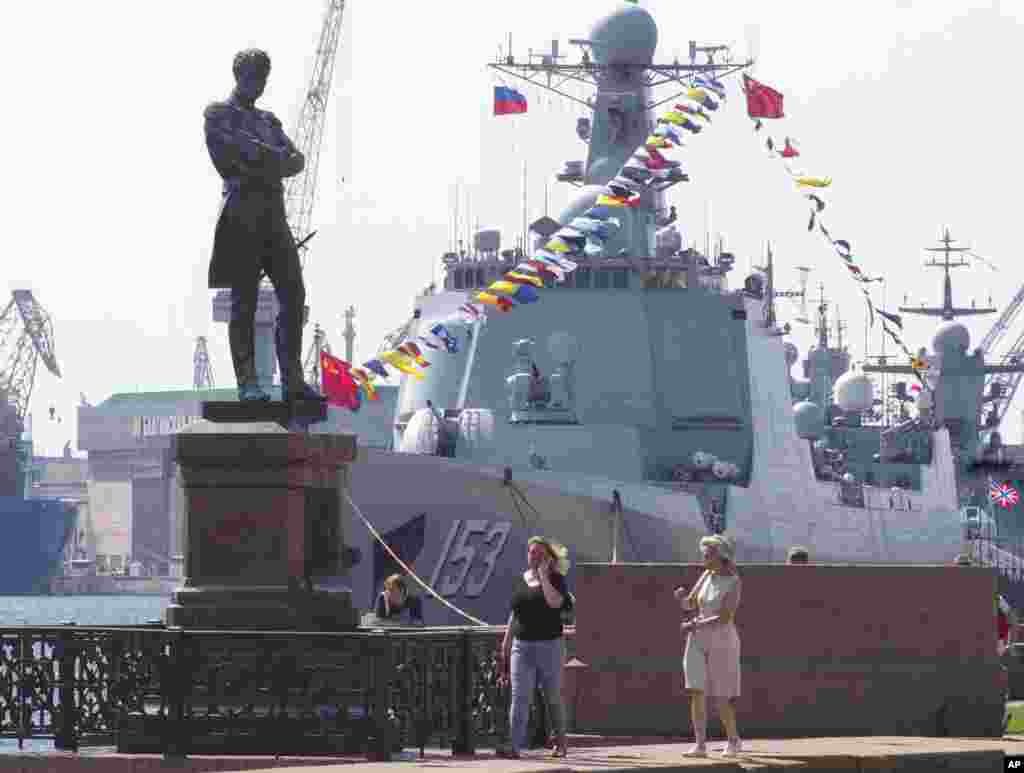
<point>464,531</point>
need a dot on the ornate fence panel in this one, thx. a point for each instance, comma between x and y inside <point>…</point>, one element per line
<point>154,690</point>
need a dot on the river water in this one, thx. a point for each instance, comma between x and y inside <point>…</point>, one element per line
<point>127,609</point>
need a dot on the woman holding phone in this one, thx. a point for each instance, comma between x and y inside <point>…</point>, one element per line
<point>533,649</point>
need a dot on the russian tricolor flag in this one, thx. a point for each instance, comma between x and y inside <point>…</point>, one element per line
<point>508,101</point>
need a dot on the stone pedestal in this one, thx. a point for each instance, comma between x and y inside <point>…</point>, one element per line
<point>265,521</point>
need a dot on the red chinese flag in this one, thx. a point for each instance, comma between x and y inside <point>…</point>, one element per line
<point>339,386</point>
<point>762,101</point>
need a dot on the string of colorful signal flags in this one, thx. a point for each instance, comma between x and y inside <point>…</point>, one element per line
<point>348,385</point>
<point>647,169</point>
<point>765,103</point>
<point>587,235</point>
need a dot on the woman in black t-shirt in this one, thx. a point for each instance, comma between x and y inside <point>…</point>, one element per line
<point>533,648</point>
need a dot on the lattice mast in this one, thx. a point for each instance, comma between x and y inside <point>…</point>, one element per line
<point>549,74</point>
<point>202,369</point>
<point>311,365</point>
<point>300,191</point>
<point>349,334</point>
<point>26,336</point>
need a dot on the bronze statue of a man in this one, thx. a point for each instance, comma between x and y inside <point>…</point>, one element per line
<point>252,154</point>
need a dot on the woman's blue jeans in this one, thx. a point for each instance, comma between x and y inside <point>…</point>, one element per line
<point>536,662</point>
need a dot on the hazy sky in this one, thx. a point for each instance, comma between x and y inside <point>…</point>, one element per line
<point>112,198</point>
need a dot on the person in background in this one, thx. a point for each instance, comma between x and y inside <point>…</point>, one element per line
<point>396,604</point>
<point>798,555</point>
<point>1002,625</point>
<point>711,661</point>
<point>533,649</point>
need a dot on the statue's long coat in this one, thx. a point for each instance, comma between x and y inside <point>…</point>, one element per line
<point>252,216</point>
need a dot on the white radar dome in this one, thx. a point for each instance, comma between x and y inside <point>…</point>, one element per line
<point>627,35</point>
<point>810,420</point>
<point>854,392</point>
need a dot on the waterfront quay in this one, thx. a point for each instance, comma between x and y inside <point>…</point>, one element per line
<point>150,698</point>
<point>586,753</point>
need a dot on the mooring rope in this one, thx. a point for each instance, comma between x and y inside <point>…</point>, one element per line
<point>402,564</point>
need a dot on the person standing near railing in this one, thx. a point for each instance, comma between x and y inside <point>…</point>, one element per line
<point>533,647</point>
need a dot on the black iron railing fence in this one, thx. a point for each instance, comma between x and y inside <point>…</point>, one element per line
<point>159,690</point>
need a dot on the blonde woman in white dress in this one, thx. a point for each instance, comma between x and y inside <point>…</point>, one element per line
<point>711,661</point>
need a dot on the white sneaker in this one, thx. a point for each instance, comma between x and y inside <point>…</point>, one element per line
<point>732,749</point>
<point>697,751</point>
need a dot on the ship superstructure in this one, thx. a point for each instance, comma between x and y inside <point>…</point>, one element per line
<point>647,400</point>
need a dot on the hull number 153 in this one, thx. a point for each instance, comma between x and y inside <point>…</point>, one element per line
<point>471,551</point>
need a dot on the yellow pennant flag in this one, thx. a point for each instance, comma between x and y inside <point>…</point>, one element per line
<point>675,118</point>
<point>814,182</point>
<point>515,276</point>
<point>402,362</point>
<point>557,245</point>
<point>504,304</point>
<point>655,141</point>
<point>699,94</point>
<point>414,352</point>
<point>503,287</point>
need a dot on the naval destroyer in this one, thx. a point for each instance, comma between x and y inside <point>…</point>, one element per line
<point>697,424</point>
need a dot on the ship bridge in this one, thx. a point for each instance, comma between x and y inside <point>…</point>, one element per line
<point>678,271</point>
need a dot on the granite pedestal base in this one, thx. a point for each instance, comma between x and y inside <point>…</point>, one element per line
<point>291,415</point>
<point>265,521</point>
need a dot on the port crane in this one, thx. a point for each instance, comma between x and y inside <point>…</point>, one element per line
<point>300,190</point>
<point>202,369</point>
<point>26,337</point>
<point>1000,388</point>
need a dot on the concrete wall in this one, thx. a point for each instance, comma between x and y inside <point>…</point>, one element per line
<point>99,430</point>
<point>827,650</point>
<point>151,524</point>
<point>111,508</point>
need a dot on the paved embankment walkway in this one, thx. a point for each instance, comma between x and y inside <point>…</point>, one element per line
<point>588,753</point>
